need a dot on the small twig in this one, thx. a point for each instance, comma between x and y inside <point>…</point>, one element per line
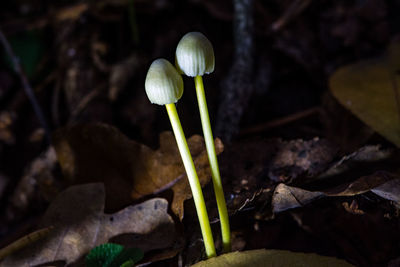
<point>97,50</point>
<point>85,101</point>
<point>133,22</point>
<point>55,102</point>
<point>25,84</point>
<point>294,10</point>
<point>49,79</point>
<point>281,121</point>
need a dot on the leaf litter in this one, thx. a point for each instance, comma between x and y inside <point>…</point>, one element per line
<point>382,183</point>
<point>79,222</point>
<point>350,31</point>
<point>255,167</point>
<point>129,170</point>
<point>252,182</point>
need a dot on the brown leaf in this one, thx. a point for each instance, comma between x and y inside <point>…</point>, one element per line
<point>7,119</point>
<point>287,197</point>
<point>361,185</point>
<point>247,166</point>
<point>370,178</point>
<point>377,236</point>
<point>71,12</point>
<point>389,190</point>
<point>381,183</point>
<point>298,157</point>
<point>365,155</point>
<point>38,179</point>
<point>244,168</point>
<point>129,170</point>
<point>100,153</point>
<point>352,208</point>
<point>181,189</point>
<point>252,167</point>
<point>80,224</point>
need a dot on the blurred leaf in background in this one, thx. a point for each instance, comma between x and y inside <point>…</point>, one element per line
<point>371,90</point>
<point>29,47</point>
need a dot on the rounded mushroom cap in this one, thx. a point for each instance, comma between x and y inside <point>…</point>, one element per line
<point>164,85</point>
<point>194,55</point>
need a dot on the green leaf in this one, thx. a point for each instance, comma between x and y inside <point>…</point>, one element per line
<point>113,255</point>
<point>29,48</point>
<point>271,258</point>
<point>127,257</point>
<point>128,263</point>
<point>103,255</point>
<point>370,89</point>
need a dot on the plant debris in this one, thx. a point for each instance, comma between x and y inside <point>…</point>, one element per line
<point>310,155</point>
<point>80,224</point>
<point>129,170</point>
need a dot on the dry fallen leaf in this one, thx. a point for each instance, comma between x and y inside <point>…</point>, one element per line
<point>287,197</point>
<point>71,12</point>
<point>353,208</point>
<point>129,170</point>
<point>384,184</point>
<point>38,179</point>
<point>248,165</point>
<point>363,165</point>
<point>181,189</point>
<point>362,184</point>
<point>389,190</point>
<point>376,231</point>
<point>366,155</point>
<point>371,90</point>
<point>7,119</point>
<point>254,167</point>
<point>297,157</point>
<point>80,224</point>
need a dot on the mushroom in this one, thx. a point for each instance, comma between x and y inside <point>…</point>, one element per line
<point>164,86</point>
<point>195,57</point>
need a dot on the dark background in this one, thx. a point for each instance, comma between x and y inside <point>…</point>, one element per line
<point>70,50</point>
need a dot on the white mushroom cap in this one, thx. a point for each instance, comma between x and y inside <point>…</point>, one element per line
<point>164,85</point>
<point>195,55</point>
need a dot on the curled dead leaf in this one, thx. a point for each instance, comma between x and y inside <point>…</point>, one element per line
<point>384,184</point>
<point>287,197</point>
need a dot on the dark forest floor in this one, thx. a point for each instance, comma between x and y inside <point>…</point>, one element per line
<point>309,159</point>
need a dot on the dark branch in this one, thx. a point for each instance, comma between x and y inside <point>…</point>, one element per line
<point>25,84</point>
<point>237,87</point>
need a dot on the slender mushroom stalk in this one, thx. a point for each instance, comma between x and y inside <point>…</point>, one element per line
<point>195,57</point>
<point>164,86</point>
